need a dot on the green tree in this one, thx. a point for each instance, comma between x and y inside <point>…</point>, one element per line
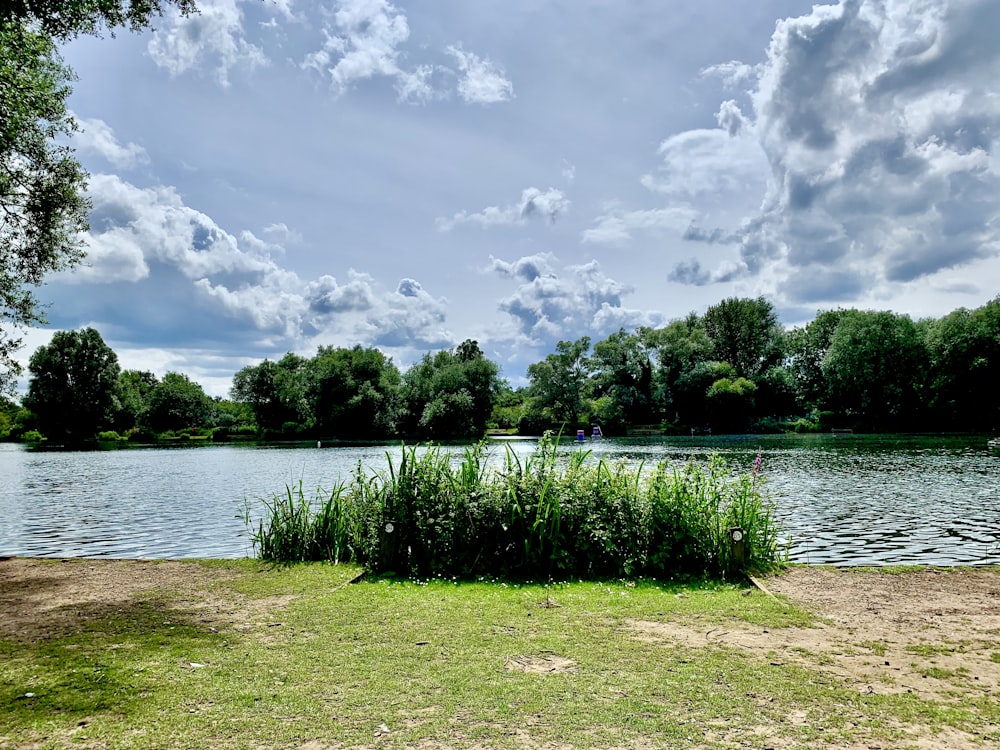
<point>964,351</point>
<point>807,348</point>
<point>132,392</point>
<point>65,19</point>
<point>622,373</point>
<point>692,389</point>
<point>450,394</point>
<point>557,384</point>
<point>177,403</point>
<point>43,209</point>
<point>746,334</point>
<point>353,392</point>
<point>677,349</point>
<point>876,365</point>
<point>275,392</point>
<point>8,412</point>
<point>72,386</point>
<point>730,404</point>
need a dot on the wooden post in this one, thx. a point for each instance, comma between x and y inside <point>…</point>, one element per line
<point>738,548</point>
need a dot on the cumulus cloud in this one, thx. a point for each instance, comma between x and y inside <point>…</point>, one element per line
<point>481,81</point>
<point>133,226</point>
<point>171,269</point>
<point>96,136</point>
<point>547,205</point>
<point>711,161</point>
<point>412,318</point>
<point>213,36</point>
<point>733,73</point>
<point>618,227</point>
<point>367,45</point>
<point>551,304</point>
<point>715,236</point>
<point>880,125</point>
<point>366,40</point>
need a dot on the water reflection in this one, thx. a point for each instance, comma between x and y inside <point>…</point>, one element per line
<point>842,500</point>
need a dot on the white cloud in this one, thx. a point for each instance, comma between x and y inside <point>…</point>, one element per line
<point>213,35</point>
<point>712,161</point>
<point>579,300</point>
<point>881,125</point>
<point>132,226</point>
<point>96,136</point>
<point>873,146</point>
<point>481,81</point>
<point>733,73</point>
<point>371,32</point>
<point>416,86</point>
<point>548,205</point>
<point>618,227</point>
<point>175,269</point>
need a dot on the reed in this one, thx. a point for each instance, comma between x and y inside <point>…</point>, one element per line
<point>551,515</point>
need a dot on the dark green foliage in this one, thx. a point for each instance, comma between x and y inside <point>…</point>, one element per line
<point>964,353</point>
<point>450,394</point>
<point>745,333</point>
<point>42,186</point>
<point>559,382</point>
<point>352,392</point>
<point>274,391</point>
<point>552,515</point>
<point>65,19</point>
<point>730,404</point>
<point>691,391</point>
<point>678,348</point>
<point>42,205</point>
<point>132,392</point>
<point>876,365</point>
<point>807,348</point>
<point>176,403</point>
<point>72,386</point>
<point>623,375</point>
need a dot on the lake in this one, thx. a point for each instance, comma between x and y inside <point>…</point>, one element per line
<point>842,499</point>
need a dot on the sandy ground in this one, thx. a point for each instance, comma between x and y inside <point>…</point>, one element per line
<point>935,633</point>
<point>883,633</point>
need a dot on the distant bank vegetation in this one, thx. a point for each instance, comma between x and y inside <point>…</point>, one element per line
<point>733,369</point>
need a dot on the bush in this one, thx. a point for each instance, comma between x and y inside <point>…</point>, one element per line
<point>110,436</point>
<point>549,515</point>
<point>32,436</point>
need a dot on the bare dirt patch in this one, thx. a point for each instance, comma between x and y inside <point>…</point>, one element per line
<point>541,664</point>
<point>935,633</point>
<point>43,599</point>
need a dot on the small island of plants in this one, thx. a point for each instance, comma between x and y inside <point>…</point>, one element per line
<point>551,515</point>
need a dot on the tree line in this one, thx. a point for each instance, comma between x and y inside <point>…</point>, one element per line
<point>732,369</point>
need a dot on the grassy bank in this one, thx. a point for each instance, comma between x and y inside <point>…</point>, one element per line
<point>241,655</point>
<point>551,515</point>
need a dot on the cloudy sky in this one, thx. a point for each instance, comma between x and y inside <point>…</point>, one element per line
<point>275,175</point>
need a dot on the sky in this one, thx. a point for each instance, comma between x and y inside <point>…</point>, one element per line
<point>277,175</point>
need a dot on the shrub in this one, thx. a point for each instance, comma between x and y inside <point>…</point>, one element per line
<point>32,436</point>
<point>550,515</point>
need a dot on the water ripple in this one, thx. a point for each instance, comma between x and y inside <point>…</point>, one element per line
<point>859,500</point>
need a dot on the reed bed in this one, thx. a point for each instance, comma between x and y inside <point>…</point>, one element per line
<point>545,517</point>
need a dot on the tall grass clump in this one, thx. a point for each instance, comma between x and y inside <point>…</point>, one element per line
<point>295,529</point>
<point>550,515</point>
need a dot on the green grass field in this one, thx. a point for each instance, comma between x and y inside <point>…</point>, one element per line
<point>253,656</point>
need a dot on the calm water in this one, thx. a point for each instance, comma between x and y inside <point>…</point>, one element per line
<point>842,499</point>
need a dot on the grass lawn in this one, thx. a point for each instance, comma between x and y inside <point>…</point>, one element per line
<point>242,655</point>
